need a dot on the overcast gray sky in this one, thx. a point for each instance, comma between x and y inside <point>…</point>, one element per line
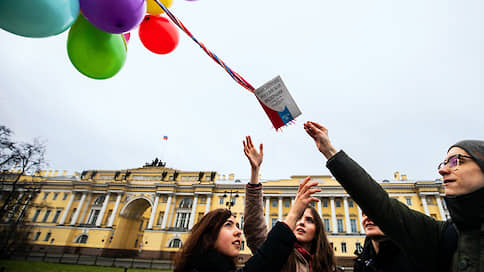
<point>395,82</point>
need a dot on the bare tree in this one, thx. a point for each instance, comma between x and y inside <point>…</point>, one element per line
<point>17,187</point>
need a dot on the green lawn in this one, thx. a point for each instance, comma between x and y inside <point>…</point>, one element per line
<point>30,266</point>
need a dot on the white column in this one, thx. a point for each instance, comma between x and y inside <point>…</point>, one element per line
<point>153,211</point>
<point>207,206</point>
<point>115,210</point>
<point>68,207</point>
<point>441,208</point>
<point>320,210</point>
<point>333,217</point>
<point>424,203</point>
<point>347,215</point>
<point>168,203</point>
<point>267,212</point>
<point>85,209</point>
<point>78,210</point>
<point>103,210</point>
<point>194,209</point>
<point>360,218</point>
<point>279,214</point>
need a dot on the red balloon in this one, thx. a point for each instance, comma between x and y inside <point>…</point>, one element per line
<point>158,34</point>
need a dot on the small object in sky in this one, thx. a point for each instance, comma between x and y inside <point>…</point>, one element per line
<point>277,102</point>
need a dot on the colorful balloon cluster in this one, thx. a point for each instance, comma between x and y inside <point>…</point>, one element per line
<point>99,29</point>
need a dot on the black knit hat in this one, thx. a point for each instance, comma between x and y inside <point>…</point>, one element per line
<point>475,148</point>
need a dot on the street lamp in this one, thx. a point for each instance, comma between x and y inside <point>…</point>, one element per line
<point>231,203</point>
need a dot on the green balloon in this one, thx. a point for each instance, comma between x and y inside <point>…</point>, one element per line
<point>95,53</point>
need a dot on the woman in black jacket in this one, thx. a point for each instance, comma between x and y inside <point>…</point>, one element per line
<point>453,245</point>
<point>214,241</point>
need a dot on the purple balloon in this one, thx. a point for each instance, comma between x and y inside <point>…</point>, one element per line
<point>114,16</point>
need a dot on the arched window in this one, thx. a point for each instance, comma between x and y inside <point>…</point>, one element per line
<point>186,203</point>
<point>175,243</point>
<point>81,239</point>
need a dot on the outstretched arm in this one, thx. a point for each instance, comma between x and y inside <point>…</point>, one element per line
<point>255,227</point>
<point>273,253</point>
<point>255,158</point>
<point>417,233</point>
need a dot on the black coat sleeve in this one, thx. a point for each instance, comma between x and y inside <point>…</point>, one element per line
<point>416,233</point>
<point>274,252</point>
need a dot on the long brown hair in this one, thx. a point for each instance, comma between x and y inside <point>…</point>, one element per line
<point>321,250</point>
<point>202,238</point>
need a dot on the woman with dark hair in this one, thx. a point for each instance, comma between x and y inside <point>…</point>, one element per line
<point>215,241</point>
<point>312,251</point>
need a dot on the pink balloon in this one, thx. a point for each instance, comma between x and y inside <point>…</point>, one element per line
<point>126,36</point>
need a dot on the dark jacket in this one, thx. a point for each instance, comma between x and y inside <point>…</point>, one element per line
<point>271,255</point>
<point>390,258</point>
<point>433,245</point>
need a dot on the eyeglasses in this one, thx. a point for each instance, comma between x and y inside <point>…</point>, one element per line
<point>453,161</point>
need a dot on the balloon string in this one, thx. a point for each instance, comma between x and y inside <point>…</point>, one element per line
<point>239,79</point>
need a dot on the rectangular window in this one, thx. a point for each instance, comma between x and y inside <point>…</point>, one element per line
<point>47,236</point>
<point>241,222</point>
<point>274,203</point>
<point>409,201</point>
<point>56,216</point>
<point>287,203</point>
<point>45,196</point>
<point>273,221</point>
<point>325,203</point>
<point>55,196</point>
<point>354,229</point>
<point>36,215</point>
<point>326,224</point>
<point>233,200</point>
<point>65,196</point>
<point>92,218</point>
<point>182,220</point>
<point>358,247</point>
<point>36,236</point>
<point>242,245</point>
<point>343,247</point>
<point>221,201</point>
<point>350,203</point>
<point>337,203</point>
<point>339,222</point>
<point>46,216</point>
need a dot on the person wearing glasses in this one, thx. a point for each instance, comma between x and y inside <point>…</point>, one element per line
<point>431,245</point>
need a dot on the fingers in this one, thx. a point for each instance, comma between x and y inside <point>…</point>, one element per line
<point>249,141</point>
<point>261,149</point>
<point>303,183</point>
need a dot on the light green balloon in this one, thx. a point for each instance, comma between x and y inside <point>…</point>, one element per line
<point>95,53</point>
<point>37,18</point>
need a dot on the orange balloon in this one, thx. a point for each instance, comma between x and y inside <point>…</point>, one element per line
<point>158,34</point>
<point>153,7</point>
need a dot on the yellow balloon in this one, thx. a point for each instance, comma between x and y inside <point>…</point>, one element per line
<point>154,8</point>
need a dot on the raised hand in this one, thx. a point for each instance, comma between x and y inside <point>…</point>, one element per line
<point>255,158</point>
<point>320,137</point>
<point>303,197</point>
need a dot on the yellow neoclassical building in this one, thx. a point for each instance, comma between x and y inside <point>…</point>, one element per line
<point>147,212</point>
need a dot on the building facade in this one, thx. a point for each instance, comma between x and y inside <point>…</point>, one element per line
<point>148,212</point>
